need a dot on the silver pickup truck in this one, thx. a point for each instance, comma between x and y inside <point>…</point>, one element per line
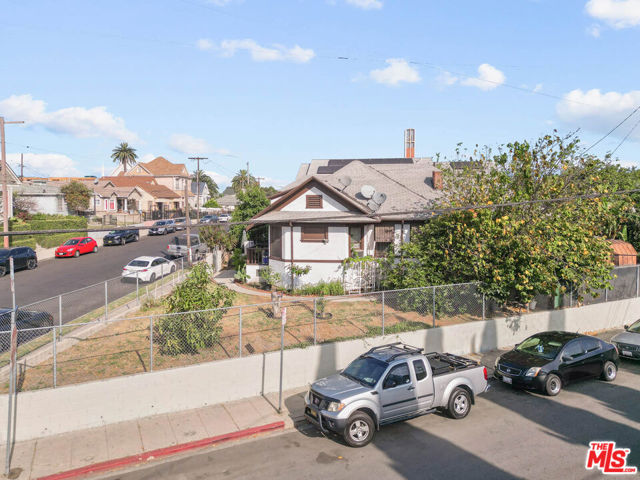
<point>178,246</point>
<point>391,383</point>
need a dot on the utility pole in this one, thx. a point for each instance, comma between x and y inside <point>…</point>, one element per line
<point>5,187</point>
<point>21,167</point>
<point>258,180</point>
<point>198,185</point>
<point>186,207</point>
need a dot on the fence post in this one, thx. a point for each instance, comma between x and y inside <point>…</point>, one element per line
<point>383,313</point>
<point>240,333</point>
<point>106,301</point>
<point>315,320</point>
<point>59,315</point>
<point>55,358</point>
<point>484,308</point>
<point>434,305</point>
<point>151,343</point>
<point>606,294</point>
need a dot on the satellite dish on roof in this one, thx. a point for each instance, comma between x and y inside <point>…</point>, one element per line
<point>345,181</point>
<point>379,197</point>
<point>373,206</point>
<point>367,191</point>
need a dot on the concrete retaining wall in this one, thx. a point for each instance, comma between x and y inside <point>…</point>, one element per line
<point>52,411</point>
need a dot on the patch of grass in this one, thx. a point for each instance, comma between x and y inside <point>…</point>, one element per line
<point>397,328</point>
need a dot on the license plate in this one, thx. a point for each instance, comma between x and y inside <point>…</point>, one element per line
<point>627,353</point>
<point>507,380</point>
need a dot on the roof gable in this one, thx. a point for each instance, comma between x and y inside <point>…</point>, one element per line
<point>162,166</point>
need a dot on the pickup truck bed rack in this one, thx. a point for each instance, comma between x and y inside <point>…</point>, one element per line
<point>442,363</point>
<point>395,350</point>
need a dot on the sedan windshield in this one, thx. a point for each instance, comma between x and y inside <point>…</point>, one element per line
<point>73,241</point>
<point>542,346</point>
<point>365,370</point>
<point>634,327</point>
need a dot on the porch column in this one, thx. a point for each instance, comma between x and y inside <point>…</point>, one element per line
<point>125,204</point>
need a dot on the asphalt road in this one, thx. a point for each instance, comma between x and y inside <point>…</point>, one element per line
<point>61,275</point>
<point>509,434</point>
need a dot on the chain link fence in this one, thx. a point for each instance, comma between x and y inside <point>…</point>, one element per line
<point>58,347</point>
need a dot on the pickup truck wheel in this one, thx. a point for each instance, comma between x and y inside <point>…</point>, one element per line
<point>553,385</point>
<point>459,404</point>
<point>359,430</point>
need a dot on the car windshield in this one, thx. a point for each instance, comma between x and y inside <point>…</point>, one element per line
<point>158,224</point>
<point>634,327</point>
<point>73,241</point>
<point>138,263</point>
<point>115,232</point>
<point>365,370</point>
<point>541,346</point>
<point>4,252</point>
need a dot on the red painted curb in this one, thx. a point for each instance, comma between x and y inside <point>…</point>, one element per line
<point>162,452</point>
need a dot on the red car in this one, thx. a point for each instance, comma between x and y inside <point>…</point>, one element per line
<point>74,247</point>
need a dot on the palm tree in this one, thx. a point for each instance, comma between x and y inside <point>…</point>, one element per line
<point>243,180</point>
<point>124,155</point>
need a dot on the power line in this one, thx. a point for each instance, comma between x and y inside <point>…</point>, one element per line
<point>613,129</point>
<point>626,136</point>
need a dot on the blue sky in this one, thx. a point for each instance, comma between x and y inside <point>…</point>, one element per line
<point>262,81</point>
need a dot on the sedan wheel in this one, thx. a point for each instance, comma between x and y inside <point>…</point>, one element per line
<point>136,238</point>
<point>553,385</point>
<point>122,241</point>
<point>609,371</point>
<point>76,253</point>
<point>32,263</point>
<point>3,271</point>
<point>95,249</point>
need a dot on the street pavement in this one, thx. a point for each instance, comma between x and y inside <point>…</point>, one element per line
<point>61,275</point>
<point>509,434</point>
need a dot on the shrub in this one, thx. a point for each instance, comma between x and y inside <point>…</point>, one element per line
<point>334,287</point>
<point>268,276</point>
<point>195,329</point>
<point>42,221</point>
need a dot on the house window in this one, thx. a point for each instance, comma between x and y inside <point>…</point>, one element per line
<point>60,203</point>
<point>314,201</point>
<point>381,249</point>
<point>356,237</point>
<point>384,233</point>
<point>315,233</point>
<point>275,241</point>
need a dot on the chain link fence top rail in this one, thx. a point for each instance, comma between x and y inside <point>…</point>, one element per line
<point>66,350</point>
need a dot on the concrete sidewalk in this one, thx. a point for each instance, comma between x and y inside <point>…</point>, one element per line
<point>49,455</point>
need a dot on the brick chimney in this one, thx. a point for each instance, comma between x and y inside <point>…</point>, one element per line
<point>437,179</point>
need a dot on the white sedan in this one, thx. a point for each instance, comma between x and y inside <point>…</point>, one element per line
<point>148,269</point>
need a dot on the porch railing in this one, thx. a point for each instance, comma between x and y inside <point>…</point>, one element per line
<point>256,256</point>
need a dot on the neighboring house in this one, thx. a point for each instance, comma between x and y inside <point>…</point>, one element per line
<point>171,175</point>
<point>336,207</point>
<point>13,182</point>
<point>46,198</point>
<point>228,200</point>
<point>200,193</point>
<point>155,200</point>
<point>108,199</point>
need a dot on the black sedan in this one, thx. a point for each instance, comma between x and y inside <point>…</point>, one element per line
<point>120,237</point>
<point>23,257</point>
<point>30,324</point>
<point>549,360</point>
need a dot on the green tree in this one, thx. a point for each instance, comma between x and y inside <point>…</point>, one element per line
<point>124,155</point>
<point>77,196</point>
<point>211,184</point>
<point>268,191</point>
<point>516,252</point>
<point>250,202</point>
<point>243,180</point>
<point>199,325</point>
<point>211,203</point>
<point>215,236</point>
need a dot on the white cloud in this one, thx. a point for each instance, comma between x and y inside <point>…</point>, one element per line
<point>397,72</point>
<point>597,111</point>
<point>615,13</point>
<point>273,182</point>
<point>204,44</point>
<point>147,157</point>
<point>489,77</point>
<point>220,179</point>
<point>183,143</point>
<point>44,164</point>
<point>77,121</point>
<point>446,78</point>
<point>594,31</point>
<point>260,53</point>
<point>366,4</point>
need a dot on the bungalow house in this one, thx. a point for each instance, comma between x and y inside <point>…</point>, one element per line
<point>337,207</point>
<point>228,201</point>
<point>200,193</point>
<point>44,197</point>
<point>13,183</point>
<point>154,200</point>
<point>171,175</point>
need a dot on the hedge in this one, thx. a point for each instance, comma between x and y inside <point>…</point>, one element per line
<point>41,221</point>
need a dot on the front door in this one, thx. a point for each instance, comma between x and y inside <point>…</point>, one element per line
<point>398,395</point>
<point>424,385</point>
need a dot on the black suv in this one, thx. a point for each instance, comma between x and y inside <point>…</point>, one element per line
<point>549,360</point>
<point>120,237</point>
<point>23,257</point>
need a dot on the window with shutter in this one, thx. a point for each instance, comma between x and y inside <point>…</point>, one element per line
<point>314,233</point>
<point>384,233</point>
<point>314,201</point>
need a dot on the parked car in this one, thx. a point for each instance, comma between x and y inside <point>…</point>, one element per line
<point>74,247</point>
<point>209,219</point>
<point>162,227</point>
<point>224,217</point>
<point>549,360</point>
<point>23,257</point>
<point>25,319</point>
<point>148,269</point>
<point>391,383</point>
<point>628,342</point>
<point>180,223</point>
<point>178,246</point>
<point>120,237</point>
